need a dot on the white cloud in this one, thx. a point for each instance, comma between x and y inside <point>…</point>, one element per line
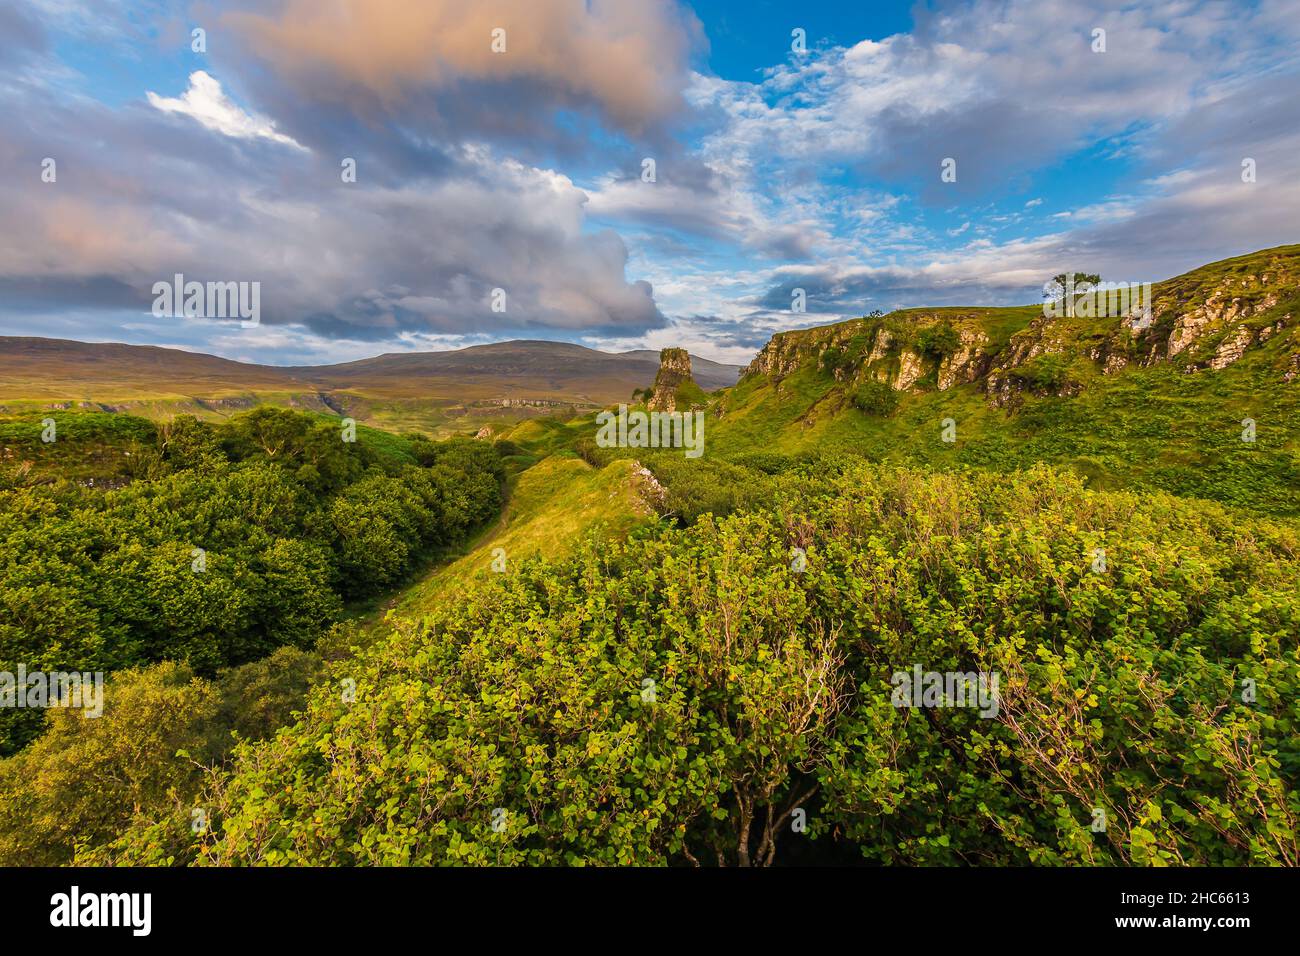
<point>208,104</point>
<point>1185,90</point>
<point>819,171</point>
<point>1109,211</point>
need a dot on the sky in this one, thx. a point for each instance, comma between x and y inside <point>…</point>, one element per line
<point>620,174</point>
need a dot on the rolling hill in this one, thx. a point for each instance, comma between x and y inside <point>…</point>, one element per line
<point>430,391</point>
<point>1201,399</point>
<point>635,632</point>
<point>1109,398</point>
<point>525,369</point>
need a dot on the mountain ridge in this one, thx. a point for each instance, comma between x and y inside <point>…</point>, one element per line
<point>26,353</point>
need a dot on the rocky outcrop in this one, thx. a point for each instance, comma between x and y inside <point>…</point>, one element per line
<point>1113,362</point>
<point>880,346</point>
<point>1204,321</point>
<point>968,363</point>
<point>867,349</point>
<point>1216,312</point>
<point>909,370</point>
<point>781,356</point>
<point>648,488</point>
<point>1005,381</point>
<point>674,372</point>
<point>1232,348</point>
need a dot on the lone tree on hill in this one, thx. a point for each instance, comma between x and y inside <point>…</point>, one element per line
<point>1077,284</point>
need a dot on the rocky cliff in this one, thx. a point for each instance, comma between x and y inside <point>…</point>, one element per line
<point>1203,321</point>
<point>916,348</point>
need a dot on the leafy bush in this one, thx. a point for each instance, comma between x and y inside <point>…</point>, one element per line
<point>938,341</point>
<point>833,358</point>
<point>248,537</point>
<point>1044,373</point>
<point>84,781</point>
<point>675,698</point>
<point>705,486</point>
<point>875,398</point>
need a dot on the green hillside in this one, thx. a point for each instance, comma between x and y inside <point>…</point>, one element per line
<point>437,393</point>
<point>675,656</point>
<point>1095,395</point>
<point>550,509</point>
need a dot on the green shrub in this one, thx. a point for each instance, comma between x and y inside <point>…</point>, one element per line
<point>234,541</point>
<point>84,780</point>
<point>875,398</point>
<point>938,341</point>
<point>649,701</point>
<point>1044,373</point>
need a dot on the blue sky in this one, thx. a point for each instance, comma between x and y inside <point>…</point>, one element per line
<point>521,169</point>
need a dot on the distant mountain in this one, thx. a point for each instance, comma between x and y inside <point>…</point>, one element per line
<point>58,369</point>
<point>52,369</point>
<point>526,369</point>
<point>710,376</point>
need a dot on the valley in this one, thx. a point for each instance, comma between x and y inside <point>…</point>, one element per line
<point>495,594</point>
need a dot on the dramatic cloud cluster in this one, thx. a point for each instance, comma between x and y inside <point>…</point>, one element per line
<point>416,246</point>
<point>521,170</point>
<point>626,60</point>
<point>368,261</point>
<point>832,162</point>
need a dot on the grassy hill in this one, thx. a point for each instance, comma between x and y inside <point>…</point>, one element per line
<point>677,654</point>
<point>1160,406</point>
<point>434,392</point>
<point>550,509</point>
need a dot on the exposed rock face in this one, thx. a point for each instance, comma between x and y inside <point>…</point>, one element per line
<point>880,346</point>
<point>674,371</point>
<point>647,486</point>
<point>967,364</point>
<point>1207,319</point>
<point>1188,328</point>
<point>876,352</point>
<point>779,357</point>
<point>1114,362</point>
<point>1199,321</point>
<point>1232,348</point>
<point>909,370</point>
<point>1044,336</point>
<point>1217,311</point>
